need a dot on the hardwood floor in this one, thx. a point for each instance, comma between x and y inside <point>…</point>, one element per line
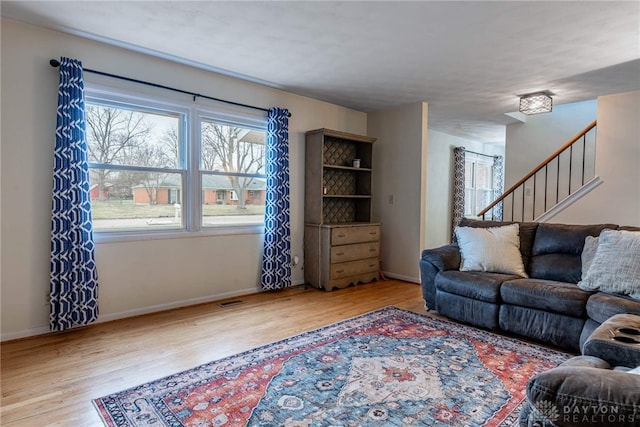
<point>51,379</point>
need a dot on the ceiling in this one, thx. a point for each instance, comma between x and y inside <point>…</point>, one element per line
<point>468,60</point>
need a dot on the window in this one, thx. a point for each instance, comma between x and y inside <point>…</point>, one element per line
<point>232,163</point>
<point>140,154</point>
<point>478,182</point>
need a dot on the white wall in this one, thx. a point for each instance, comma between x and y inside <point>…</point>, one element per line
<point>439,193</point>
<point>617,199</point>
<point>528,144</point>
<point>398,158</point>
<point>135,276</point>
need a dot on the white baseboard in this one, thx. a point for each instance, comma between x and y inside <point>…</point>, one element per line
<point>143,310</point>
<point>175,304</point>
<point>390,275</point>
<point>25,333</point>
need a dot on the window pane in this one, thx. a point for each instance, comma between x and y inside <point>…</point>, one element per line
<point>136,138</point>
<point>231,149</point>
<point>468,202</point>
<point>483,199</point>
<point>468,174</point>
<point>484,177</point>
<point>232,200</point>
<point>126,200</point>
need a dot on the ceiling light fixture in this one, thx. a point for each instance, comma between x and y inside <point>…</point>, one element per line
<point>536,103</point>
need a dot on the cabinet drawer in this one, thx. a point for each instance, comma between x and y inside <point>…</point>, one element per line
<point>352,268</point>
<point>346,253</point>
<point>348,235</point>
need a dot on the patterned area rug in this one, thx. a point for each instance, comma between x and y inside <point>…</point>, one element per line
<point>390,367</point>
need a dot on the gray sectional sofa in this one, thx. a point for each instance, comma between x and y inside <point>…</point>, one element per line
<point>548,306</point>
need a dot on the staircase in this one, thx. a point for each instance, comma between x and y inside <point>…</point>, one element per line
<point>561,179</point>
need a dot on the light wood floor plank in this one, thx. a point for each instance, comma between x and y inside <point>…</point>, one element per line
<point>50,380</point>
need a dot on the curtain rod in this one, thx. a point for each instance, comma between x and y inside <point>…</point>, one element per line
<point>55,63</point>
<point>479,154</point>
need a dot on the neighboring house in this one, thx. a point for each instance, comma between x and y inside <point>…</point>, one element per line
<point>216,189</point>
<point>94,191</point>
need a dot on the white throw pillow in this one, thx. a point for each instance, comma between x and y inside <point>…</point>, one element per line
<point>588,252</point>
<point>494,249</point>
<point>616,265</point>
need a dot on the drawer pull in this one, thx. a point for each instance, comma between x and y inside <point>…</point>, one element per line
<point>341,235</point>
<point>372,249</point>
<point>372,265</point>
<point>339,271</point>
<point>373,233</point>
<point>339,253</point>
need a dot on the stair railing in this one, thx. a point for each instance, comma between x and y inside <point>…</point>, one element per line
<point>551,168</point>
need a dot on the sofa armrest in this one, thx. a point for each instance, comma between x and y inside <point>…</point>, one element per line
<point>443,258</point>
<point>432,262</point>
<point>579,395</point>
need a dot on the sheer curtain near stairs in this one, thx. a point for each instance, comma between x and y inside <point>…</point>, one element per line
<point>555,183</point>
<point>73,279</point>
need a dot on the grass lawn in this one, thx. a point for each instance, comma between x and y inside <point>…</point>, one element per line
<point>126,209</point>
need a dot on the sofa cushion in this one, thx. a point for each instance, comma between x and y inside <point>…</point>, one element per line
<point>556,297</point>
<point>472,284</point>
<point>560,267</point>
<point>602,306</point>
<point>468,310</point>
<point>615,266</point>
<point>527,234</point>
<point>557,248</point>
<point>491,249</point>
<point>551,328</point>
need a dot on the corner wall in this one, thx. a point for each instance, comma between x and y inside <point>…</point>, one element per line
<point>617,199</point>
<point>399,185</point>
<point>194,268</point>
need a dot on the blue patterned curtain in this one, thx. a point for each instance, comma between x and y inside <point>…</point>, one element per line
<point>73,281</point>
<point>276,256</point>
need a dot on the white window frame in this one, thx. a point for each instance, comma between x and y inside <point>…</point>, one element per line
<point>474,160</point>
<point>193,112</point>
<point>254,122</point>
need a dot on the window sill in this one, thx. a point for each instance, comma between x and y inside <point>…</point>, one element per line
<point>130,236</point>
